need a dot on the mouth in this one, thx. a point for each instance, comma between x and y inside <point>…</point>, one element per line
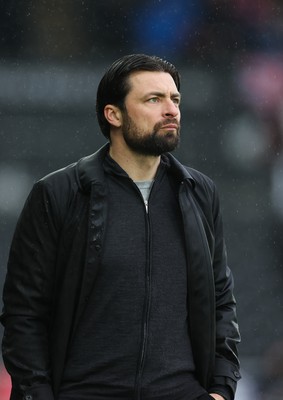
<point>170,126</point>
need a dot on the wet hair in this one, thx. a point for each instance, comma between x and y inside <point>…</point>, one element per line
<point>114,85</point>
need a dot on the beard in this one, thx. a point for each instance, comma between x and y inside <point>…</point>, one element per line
<point>153,143</point>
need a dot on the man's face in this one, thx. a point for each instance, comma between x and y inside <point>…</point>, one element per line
<point>151,120</point>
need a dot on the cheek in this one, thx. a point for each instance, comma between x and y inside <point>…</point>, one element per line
<point>144,121</point>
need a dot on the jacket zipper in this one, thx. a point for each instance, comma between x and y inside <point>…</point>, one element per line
<point>146,310</point>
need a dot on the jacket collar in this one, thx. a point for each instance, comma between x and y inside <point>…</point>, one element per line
<point>181,172</point>
<point>90,169</point>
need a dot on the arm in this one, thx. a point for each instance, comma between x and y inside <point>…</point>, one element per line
<point>226,373</point>
<point>27,297</point>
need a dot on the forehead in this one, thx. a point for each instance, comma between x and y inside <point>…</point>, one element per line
<point>144,81</point>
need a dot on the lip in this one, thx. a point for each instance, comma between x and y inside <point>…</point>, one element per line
<point>170,126</point>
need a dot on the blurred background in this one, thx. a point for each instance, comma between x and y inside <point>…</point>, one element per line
<point>230,55</point>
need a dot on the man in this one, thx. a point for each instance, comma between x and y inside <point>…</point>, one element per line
<point>117,282</point>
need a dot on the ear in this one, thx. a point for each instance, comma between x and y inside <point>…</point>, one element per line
<point>113,115</point>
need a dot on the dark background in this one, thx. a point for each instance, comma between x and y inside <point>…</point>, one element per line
<point>229,53</point>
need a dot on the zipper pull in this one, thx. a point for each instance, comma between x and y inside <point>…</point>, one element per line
<point>146,205</point>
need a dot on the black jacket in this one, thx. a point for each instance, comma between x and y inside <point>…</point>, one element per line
<point>54,258</point>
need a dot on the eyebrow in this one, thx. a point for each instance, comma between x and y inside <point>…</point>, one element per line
<point>161,94</point>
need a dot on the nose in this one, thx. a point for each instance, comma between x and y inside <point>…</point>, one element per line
<point>171,109</point>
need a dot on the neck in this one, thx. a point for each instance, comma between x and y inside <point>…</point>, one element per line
<point>137,166</point>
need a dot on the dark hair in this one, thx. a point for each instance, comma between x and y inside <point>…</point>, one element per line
<point>114,85</point>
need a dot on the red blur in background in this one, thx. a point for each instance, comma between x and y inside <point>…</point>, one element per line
<point>5,384</point>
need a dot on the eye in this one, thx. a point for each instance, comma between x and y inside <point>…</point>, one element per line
<point>153,100</point>
<point>176,100</point>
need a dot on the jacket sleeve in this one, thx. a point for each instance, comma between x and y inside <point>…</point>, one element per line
<point>27,297</point>
<point>226,371</point>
